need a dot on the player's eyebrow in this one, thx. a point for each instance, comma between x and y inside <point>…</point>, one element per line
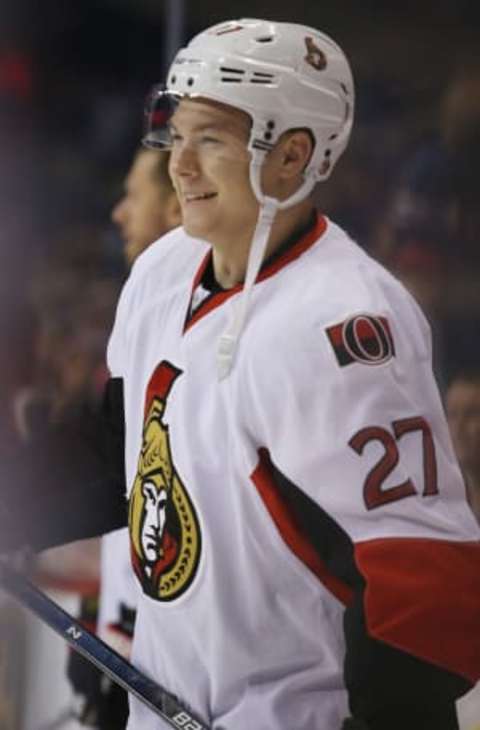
<point>208,126</point>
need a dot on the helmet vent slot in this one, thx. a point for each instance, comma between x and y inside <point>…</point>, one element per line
<point>265,39</point>
<point>259,77</point>
<point>232,70</point>
<point>232,75</point>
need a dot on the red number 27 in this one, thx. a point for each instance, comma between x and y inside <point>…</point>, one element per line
<point>373,493</point>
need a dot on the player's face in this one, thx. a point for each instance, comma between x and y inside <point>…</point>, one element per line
<point>209,166</point>
<point>155,506</point>
<point>142,213</point>
<point>463,413</point>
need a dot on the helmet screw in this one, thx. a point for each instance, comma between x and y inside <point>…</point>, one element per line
<point>325,167</point>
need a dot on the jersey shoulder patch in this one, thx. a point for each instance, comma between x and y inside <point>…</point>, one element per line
<point>362,338</point>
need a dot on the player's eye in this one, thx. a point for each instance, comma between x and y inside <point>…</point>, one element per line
<point>149,492</point>
<point>209,139</point>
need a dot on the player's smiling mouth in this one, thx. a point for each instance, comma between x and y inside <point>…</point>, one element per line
<point>192,197</point>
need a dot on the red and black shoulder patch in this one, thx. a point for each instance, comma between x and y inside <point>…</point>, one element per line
<point>363,338</point>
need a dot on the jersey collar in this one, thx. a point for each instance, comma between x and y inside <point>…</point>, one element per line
<point>288,253</point>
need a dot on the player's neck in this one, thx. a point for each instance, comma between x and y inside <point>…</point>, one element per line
<point>230,263</point>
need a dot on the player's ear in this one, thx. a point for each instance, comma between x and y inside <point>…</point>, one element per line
<point>173,213</point>
<point>285,164</point>
<point>295,150</point>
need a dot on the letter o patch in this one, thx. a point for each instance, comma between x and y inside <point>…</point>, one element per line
<point>363,338</point>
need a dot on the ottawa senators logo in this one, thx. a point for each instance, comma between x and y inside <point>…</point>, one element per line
<point>315,56</point>
<point>164,530</point>
<point>363,338</point>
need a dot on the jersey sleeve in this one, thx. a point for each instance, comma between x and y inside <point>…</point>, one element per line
<point>358,451</point>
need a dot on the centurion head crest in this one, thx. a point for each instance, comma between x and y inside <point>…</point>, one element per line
<point>164,529</point>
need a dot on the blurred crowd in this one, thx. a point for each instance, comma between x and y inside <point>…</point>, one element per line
<point>71,118</point>
<point>406,190</point>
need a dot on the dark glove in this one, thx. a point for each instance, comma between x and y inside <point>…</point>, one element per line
<point>102,703</point>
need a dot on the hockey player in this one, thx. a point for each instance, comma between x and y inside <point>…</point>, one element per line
<point>316,554</point>
<point>147,209</point>
<point>278,391</point>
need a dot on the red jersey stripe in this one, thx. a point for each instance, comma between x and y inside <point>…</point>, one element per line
<point>423,596</point>
<point>291,532</point>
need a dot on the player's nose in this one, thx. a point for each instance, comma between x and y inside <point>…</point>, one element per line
<point>119,211</point>
<point>184,160</point>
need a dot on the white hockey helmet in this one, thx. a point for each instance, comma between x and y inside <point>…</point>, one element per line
<point>283,75</point>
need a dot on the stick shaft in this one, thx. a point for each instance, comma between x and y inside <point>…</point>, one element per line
<point>158,699</point>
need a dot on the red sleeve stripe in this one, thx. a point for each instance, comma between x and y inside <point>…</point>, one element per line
<point>160,383</point>
<point>423,596</point>
<point>291,532</point>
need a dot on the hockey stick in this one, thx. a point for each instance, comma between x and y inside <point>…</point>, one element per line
<point>158,699</point>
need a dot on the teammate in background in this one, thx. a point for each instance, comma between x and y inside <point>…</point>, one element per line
<point>463,413</point>
<point>148,208</point>
<point>277,385</point>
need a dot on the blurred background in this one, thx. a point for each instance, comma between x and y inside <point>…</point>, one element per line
<point>73,79</point>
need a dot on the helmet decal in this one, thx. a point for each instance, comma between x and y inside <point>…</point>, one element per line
<point>315,56</point>
<point>164,529</point>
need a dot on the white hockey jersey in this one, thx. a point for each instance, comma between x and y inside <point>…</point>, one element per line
<point>308,507</point>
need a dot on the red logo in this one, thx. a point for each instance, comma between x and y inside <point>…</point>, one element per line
<point>362,338</point>
<point>315,56</point>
